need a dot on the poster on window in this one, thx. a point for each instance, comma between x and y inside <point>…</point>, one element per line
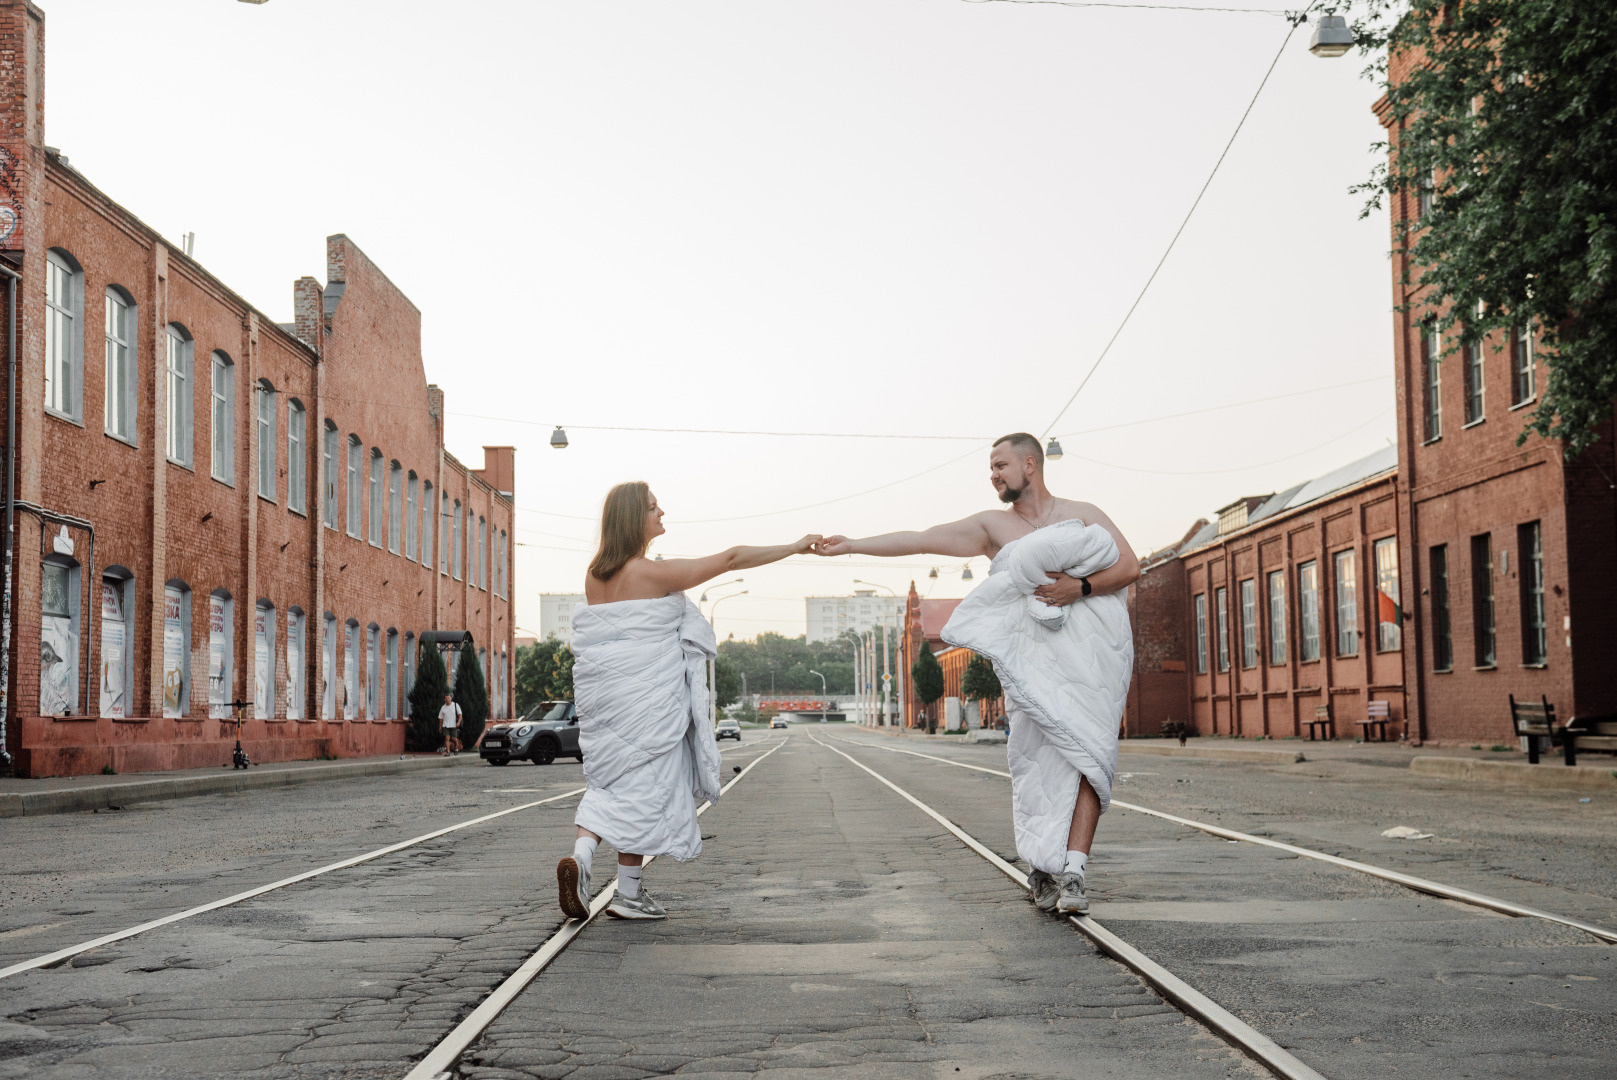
<point>58,644</point>
<point>328,677</point>
<point>114,702</point>
<point>350,680</point>
<point>263,677</point>
<point>218,659</point>
<point>294,667</point>
<point>173,655</point>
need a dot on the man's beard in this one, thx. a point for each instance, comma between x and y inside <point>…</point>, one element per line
<point>1010,494</point>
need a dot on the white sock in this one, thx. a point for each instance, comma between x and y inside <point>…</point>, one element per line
<point>628,881</point>
<point>1075,862</point>
<point>583,852</point>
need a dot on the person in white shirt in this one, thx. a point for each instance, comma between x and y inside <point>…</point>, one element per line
<point>449,718</point>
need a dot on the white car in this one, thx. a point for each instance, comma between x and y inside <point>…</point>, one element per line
<point>728,729</point>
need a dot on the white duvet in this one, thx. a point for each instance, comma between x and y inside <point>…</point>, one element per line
<point>640,682</point>
<point>1065,680</point>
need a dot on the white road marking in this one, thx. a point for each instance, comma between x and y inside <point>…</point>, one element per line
<point>1409,881</point>
<point>441,1058</point>
<point>1265,1050</point>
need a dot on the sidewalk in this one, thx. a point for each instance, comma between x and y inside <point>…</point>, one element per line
<point>67,794</point>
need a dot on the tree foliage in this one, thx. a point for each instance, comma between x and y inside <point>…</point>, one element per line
<point>471,693</point>
<point>790,660</point>
<point>727,682</point>
<point>927,674</point>
<point>980,683</point>
<point>426,698</point>
<point>543,672</point>
<point>1508,118</point>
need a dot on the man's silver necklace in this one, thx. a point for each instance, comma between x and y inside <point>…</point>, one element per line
<point>1047,515</point>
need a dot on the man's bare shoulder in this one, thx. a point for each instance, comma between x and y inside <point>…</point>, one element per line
<point>1077,509</point>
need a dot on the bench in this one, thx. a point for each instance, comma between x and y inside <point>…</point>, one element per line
<point>1323,724</point>
<point>1589,733</point>
<point>1175,728</point>
<point>1377,715</point>
<point>1534,720</point>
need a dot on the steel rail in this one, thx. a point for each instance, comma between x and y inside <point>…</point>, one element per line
<point>1263,1049</point>
<point>1409,881</point>
<point>53,958</point>
<point>440,1060</point>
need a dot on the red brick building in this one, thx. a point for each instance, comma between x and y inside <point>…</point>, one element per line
<point>923,622</point>
<point>1511,550</point>
<point>211,507</point>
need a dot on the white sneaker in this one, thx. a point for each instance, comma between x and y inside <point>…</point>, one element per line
<point>573,882</point>
<point>641,907</point>
<point>1072,900</point>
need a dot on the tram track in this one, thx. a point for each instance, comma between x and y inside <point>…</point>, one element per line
<point>1397,877</point>
<point>62,955</point>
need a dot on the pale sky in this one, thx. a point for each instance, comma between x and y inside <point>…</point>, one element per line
<point>891,217</point>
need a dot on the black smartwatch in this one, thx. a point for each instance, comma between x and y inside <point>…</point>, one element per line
<point>1088,588</point>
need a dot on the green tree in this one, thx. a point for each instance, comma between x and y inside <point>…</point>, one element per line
<point>980,683</point>
<point>544,672</point>
<point>559,675</point>
<point>1504,115</point>
<point>426,698</point>
<point>927,675</point>
<point>727,682</point>
<point>471,693</point>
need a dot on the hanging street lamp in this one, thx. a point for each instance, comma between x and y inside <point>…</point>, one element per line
<point>1053,451</point>
<point>558,438</point>
<point>1332,37</point>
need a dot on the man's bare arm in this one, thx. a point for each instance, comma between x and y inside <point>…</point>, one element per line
<point>1063,590</point>
<point>961,539</point>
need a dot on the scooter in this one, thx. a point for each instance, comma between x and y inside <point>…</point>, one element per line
<point>238,757</point>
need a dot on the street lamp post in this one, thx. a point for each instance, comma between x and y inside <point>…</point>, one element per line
<point>824,693</point>
<point>886,653</point>
<point>712,667</point>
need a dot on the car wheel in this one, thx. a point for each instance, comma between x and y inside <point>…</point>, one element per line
<point>544,752</point>
<point>580,758</point>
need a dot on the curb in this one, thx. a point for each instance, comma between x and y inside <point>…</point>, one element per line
<point>1550,776</point>
<point>102,796</point>
<point>1166,748</point>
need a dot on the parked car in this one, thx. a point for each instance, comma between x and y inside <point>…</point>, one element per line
<point>547,731</point>
<point>728,729</point>
<point>777,722</point>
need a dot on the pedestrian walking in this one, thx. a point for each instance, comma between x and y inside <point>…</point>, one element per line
<point>640,682</point>
<point>1053,618</point>
<point>449,719</point>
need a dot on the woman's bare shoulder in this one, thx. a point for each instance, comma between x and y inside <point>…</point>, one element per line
<point>635,581</point>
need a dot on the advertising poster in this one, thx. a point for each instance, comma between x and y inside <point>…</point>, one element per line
<point>113,699</point>
<point>350,681</point>
<point>328,677</point>
<point>218,655</point>
<point>173,655</point>
<point>294,666</point>
<point>58,644</point>
<point>263,673</point>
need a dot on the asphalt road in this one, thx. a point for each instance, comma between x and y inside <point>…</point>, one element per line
<point>828,929</point>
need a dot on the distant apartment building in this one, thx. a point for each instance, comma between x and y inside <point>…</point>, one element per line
<point>556,616</point>
<point>829,617</point>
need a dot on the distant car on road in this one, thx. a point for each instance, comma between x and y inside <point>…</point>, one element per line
<point>728,729</point>
<point>547,731</point>
<point>777,722</point>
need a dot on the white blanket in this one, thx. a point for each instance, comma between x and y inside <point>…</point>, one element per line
<point>1065,683</point>
<point>640,681</point>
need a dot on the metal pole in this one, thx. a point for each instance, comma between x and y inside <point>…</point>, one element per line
<point>12,278</point>
<point>886,674</point>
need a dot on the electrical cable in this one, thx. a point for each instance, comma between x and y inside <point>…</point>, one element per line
<point>1244,468</point>
<point>1296,21</point>
<point>1142,7</point>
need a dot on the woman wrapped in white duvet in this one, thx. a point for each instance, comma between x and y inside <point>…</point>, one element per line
<point>640,651</point>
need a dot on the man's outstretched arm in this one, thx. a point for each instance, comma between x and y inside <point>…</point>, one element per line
<point>961,539</point>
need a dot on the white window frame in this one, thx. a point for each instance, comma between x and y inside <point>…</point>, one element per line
<point>1308,610</point>
<point>412,488</point>
<point>219,703</point>
<point>64,336</point>
<point>268,414</point>
<point>297,663</point>
<point>178,370</point>
<point>457,556</point>
<point>1345,588</point>
<point>395,506</point>
<point>1276,586</point>
<point>330,447</point>
<point>119,409</point>
<point>222,424</point>
<point>1221,615</point>
<point>264,666</point>
<point>1201,633</point>
<point>391,709</point>
<point>1432,357</point>
<point>373,673</point>
<point>429,519</point>
<point>374,501</point>
<point>356,487</point>
<point>297,481</point>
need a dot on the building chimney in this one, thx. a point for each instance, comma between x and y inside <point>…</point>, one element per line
<point>308,304</point>
<point>22,123</point>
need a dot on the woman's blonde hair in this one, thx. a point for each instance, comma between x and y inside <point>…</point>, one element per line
<point>623,529</point>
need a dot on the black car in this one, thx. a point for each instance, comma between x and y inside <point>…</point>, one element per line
<point>727,729</point>
<point>549,730</point>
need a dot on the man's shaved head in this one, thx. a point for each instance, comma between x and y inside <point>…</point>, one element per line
<point>1023,443</point>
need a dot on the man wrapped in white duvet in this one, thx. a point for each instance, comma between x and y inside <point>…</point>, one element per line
<point>639,678</point>
<point>1053,618</point>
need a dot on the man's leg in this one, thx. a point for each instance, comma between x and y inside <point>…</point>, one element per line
<point>1080,835</point>
<point>1085,816</point>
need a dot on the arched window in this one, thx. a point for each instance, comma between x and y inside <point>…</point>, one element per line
<point>117,673</point>
<point>328,667</point>
<point>179,392</point>
<point>297,481</point>
<point>373,692</point>
<point>223,420</point>
<point>356,488</point>
<point>395,506</point>
<point>412,485</point>
<point>264,660</point>
<point>456,558</point>
<point>505,564</point>
<point>351,663</point>
<point>428,521</point>
<point>328,476</point>
<point>481,558</point>
<point>375,500</point>
<point>445,540</point>
<point>64,336</point>
<point>407,686</point>
<point>294,663</point>
<point>267,406</point>
<point>221,668</point>
<point>176,649</point>
<point>392,707</point>
<point>59,636</point>
<point>120,386</point>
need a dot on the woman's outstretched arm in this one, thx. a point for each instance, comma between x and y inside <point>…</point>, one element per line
<point>677,575</point>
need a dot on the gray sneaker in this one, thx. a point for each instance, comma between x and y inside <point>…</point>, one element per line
<point>641,907</point>
<point>1072,900</point>
<point>1042,890</point>
<point>573,882</point>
